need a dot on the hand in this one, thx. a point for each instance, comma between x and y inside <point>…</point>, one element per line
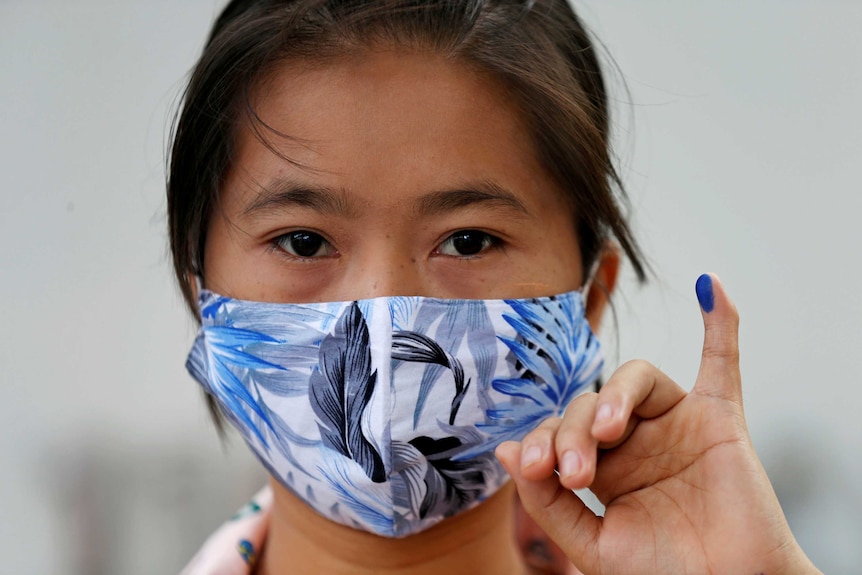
<point>683,488</point>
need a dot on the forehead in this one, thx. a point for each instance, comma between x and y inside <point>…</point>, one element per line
<point>384,125</point>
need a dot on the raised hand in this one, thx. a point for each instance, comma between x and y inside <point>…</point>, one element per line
<point>682,485</point>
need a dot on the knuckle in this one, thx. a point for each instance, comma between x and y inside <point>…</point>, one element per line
<point>576,408</point>
<point>722,352</point>
<point>547,506</point>
<point>721,341</point>
<point>584,399</point>
<point>549,424</point>
<point>574,431</point>
<point>543,433</point>
<point>639,366</point>
<point>539,506</point>
<point>567,433</point>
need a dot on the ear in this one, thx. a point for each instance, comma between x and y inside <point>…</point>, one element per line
<point>603,285</point>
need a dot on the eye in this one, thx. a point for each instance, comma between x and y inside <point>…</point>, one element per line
<point>467,243</point>
<point>305,244</point>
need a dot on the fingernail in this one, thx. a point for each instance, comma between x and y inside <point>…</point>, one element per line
<point>570,464</point>
<point>531,456</point>
<point>704,293</point>
<point>604,413</point>
<point>246,551</point>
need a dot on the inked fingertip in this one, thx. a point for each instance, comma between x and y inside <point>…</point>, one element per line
<point>705,293</point>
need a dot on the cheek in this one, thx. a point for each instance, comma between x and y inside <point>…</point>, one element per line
<point>559,262</point>
<point>545,276</point>
<point>226,265</point>
<point>553,268</point>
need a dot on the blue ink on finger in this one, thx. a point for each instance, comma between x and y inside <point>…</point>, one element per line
<point>705,296</point>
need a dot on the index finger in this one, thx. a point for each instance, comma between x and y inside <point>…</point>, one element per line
<point>719,367</point>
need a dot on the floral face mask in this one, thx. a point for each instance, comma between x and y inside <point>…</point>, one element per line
<point>383,414</point>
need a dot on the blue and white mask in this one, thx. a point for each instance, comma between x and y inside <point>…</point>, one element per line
<point>383,414</point>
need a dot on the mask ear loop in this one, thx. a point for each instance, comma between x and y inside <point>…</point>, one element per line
<point>585,291</point>
<point>199,286</point>
<point>588,283</point>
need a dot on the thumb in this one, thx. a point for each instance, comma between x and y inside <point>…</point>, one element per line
<point>719,365</point>
<point>557,510</point>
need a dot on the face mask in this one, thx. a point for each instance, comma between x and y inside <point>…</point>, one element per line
<point>383,414</point>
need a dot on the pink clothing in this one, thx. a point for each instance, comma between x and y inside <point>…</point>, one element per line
<point>235,546</point>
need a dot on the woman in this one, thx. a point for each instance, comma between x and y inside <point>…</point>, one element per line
<point>398,224</point>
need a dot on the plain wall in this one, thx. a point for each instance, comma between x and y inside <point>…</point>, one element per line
<point>740,142</point>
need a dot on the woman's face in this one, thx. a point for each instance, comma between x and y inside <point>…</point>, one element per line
<point>408,175</point>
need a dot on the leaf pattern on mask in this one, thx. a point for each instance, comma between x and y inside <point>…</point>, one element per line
<point>451,484</point>
<point>402,309</point>
<point>246,352</point>
<point>450,326</point>
<point>287,440</point>
<point>354,456</point>
<point>367,503</point>
<point>226,357</point>
<point>340,390</point>
<point>408,481</point>
<point>413,346</point>
<point>560,354</point>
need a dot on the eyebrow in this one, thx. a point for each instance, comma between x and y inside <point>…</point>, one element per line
<point>286,193</point>
<point>486,193</point>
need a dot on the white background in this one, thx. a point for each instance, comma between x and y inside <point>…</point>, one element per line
<point>741,145</point>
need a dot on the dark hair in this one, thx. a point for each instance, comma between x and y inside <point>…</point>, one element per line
<point>538,49</point>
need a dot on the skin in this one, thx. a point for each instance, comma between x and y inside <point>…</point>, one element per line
<point>391,153</point>
<point>683,488</point>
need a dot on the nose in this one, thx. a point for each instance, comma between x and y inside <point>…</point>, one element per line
<point>385,272</point>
